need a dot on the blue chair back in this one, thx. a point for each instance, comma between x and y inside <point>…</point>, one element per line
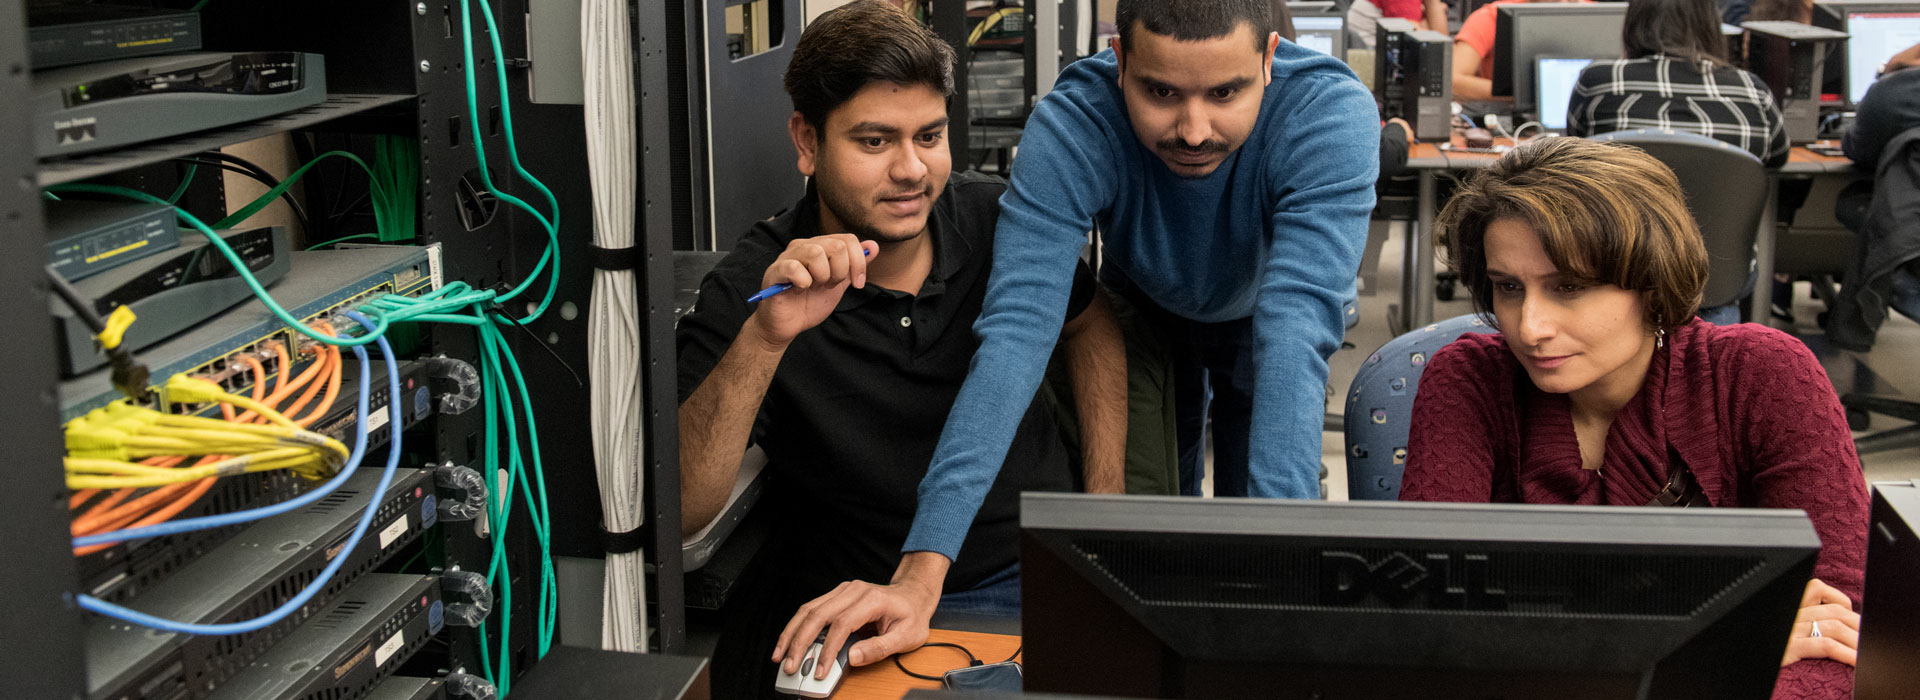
<point>1726,189</point>
<point>1380,406</point>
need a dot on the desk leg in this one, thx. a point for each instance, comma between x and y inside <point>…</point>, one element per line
<point>1416,288</point>
<point>1760,306</point>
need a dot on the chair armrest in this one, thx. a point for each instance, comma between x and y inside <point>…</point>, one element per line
<point>698,547</point>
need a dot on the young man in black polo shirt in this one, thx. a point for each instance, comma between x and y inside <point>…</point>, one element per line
<point>846,379</point>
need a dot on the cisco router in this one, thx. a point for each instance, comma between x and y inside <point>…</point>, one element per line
<point>98,106</point>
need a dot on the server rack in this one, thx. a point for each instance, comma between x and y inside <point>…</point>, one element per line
<point>39,604</point>
<point>395,69</point>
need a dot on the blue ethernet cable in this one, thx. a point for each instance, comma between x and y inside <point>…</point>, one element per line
<point>125,614</point>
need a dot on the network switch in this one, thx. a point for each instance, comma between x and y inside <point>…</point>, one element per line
<point>90,237</point>
<point>170,293</point>
<point>65,35</point>
<point>319,285</point>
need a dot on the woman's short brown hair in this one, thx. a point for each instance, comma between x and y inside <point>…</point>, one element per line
<point>1605,213</point>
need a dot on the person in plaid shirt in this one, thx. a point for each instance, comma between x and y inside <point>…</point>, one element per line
<point>1676,76</point>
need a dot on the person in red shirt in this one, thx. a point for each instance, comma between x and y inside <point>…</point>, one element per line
<point>1363,17</point>
<point>1473,53</point>
<point>1603,388</point>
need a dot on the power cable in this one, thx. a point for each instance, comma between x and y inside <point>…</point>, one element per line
<point>299,211</point>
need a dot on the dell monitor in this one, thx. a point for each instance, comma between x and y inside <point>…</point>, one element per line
<point>1327,35</point>
<point>1525,31</point>
<point>1137,596</point>
<point>1553,80</point>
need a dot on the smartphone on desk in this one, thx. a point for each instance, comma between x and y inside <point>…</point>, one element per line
<point>1005,676</point>
<point>1827,150</point>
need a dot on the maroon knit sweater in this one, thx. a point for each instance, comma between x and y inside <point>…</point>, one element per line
<point>1748,408</point>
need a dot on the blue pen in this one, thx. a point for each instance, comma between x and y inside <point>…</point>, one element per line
<point>781,287</point>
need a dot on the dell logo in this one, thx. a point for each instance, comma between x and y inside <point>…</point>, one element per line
<point>1433,580</point>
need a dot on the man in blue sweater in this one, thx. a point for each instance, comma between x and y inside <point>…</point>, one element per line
<point>1230,175</point>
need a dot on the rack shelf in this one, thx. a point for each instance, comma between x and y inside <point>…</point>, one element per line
<point>64,170</point>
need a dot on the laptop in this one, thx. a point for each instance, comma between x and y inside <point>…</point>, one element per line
<point>1554,79</point>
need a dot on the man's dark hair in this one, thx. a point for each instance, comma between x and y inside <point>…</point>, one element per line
<point>862,42</point>
<point>1685,29</point>
<point>1194,20</point>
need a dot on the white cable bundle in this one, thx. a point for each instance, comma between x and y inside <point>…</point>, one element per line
<point>613,330</point>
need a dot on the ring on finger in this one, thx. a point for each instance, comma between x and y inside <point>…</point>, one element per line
<point>1814,632</point>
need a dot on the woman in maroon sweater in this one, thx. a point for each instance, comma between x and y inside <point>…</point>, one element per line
<point>1604,389</point>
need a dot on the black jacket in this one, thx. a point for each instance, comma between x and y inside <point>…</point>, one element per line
<point>1888,240</point>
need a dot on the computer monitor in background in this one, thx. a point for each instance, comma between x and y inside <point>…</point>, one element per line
<point>1554,79</point>
<point>1327,8</point>
<point>1524,31</point>
<point>1327,35</point>
<point>1890,614</point>
<point>1874,37</point>
<point>1249,598</point>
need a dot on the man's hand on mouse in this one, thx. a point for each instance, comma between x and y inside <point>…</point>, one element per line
<point>820,269</point>
<point>899,613</point>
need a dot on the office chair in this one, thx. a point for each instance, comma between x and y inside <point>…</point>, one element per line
<point>1726,189</point>
<point>1860,406</point>
<point>1380,406</point>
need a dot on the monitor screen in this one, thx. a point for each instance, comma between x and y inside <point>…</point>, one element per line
<point>1554,79</point>
<point>1525,31</point>
<point>1140,596</point>
<point>1874,38</point>
<point>1318,33</point>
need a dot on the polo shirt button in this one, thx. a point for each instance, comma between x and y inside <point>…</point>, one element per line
<point>905,322</point>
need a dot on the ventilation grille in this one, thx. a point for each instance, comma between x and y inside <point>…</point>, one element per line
<point>334,501</point>
<point>339,615</point>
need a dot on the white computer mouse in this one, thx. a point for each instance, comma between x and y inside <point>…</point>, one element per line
<point>803,683</point>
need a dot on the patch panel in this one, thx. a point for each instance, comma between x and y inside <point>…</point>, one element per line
<point>345,651</point>
<point>249,576</point>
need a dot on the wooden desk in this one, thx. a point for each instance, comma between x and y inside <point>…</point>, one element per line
<point>884,681</point>
<point>1416,289</point>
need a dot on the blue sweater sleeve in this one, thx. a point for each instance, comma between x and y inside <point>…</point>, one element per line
<point>1066,175</point>
<point>1322,172</point>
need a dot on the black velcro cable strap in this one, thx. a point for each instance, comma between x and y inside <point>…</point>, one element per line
<point>624,542</point>
<point>614,259</point>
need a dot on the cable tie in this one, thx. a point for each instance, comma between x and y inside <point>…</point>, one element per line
<point>615,259</point>
<point>473,585</point>
<point>624,542</point>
